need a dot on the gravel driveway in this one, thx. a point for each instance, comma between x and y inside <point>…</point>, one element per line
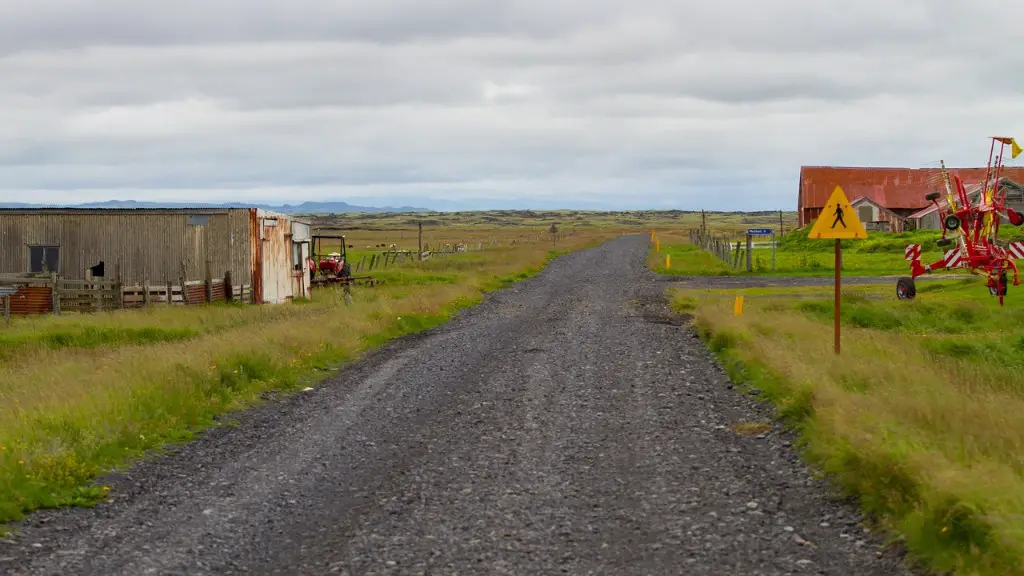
<point>568,425</point>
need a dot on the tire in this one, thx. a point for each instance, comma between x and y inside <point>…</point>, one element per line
<point>951,222</point>
<point>932,196</point>
<point>905,289</point>
<point>944,241</point>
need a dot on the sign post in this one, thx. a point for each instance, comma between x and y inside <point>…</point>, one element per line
<point>751,232</point>
<point>838,221</point>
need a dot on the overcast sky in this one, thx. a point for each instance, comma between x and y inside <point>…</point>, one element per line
<point>660,103</point>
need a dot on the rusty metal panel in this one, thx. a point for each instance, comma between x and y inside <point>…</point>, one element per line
<point>276,258</point>
<point>256,251</point>
<point>31,300</point>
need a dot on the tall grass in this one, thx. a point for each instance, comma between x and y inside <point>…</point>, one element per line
<point>933,444</point>
<point>84,394</point>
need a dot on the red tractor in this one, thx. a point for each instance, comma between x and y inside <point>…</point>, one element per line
<point>332,267</point>
<point>971,228</point>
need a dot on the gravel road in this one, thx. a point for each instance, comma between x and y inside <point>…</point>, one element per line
<point>567,425</point>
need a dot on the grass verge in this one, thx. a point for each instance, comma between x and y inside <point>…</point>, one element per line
<point>930,442</point>
<point>881,254</point>
<point>112,387</point>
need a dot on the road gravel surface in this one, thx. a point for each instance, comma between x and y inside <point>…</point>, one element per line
<point>570,424</point>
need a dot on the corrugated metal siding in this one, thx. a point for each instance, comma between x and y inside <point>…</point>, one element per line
<point>158,246</point>
<point>30,300</point>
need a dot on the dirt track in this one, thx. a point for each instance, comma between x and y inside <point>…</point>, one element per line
<point>568,425</point>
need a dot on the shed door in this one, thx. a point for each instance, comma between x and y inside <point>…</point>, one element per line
<point>276,263</point>
<point>866,214</point>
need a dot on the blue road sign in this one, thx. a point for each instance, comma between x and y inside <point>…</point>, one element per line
<point>760,231</point>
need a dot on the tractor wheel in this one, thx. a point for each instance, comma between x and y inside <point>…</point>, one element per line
<point>931,196</point>
<point>952,222</point>
<point>905,289</point>
<point>944,241</point>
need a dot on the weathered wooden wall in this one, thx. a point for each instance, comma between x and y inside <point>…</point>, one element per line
<point>135,245</point>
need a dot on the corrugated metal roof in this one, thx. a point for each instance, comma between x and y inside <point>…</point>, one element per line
<point>893,188</point>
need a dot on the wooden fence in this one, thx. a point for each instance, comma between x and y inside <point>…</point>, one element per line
<point>395,257</point>
<point>44,295</point>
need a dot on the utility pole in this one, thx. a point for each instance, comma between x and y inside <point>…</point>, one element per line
<point>781,231</point>
<point>420,253</point>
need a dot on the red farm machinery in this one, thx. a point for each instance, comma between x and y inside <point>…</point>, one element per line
<point>333,267</point>
<point>970,229</point>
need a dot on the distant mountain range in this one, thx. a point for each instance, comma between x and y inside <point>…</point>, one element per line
<point>304,208</point>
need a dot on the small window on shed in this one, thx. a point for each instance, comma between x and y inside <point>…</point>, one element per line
<point>199,220</point>
<point>43,259</point>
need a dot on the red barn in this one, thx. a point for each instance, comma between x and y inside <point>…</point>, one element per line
<point>899,190</point>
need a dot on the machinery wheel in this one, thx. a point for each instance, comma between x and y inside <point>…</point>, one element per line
<point>931,196</point>
<point>945,241</point>
<point>905,289</point>
<point>951,222</point>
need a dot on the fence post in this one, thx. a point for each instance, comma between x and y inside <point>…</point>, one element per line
<point>209,283</point>
<point>229,289</point>
<point>773,243</point>
<point>145,291</point>
<point>55,294</point>
<point>750,252</point>
<point>170,292</point>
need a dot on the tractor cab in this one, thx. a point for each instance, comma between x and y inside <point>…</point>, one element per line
<point>332,264</point>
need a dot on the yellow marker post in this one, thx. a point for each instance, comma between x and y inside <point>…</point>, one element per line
<point>838,221</point>
<point>668,262</point>
<point>657,245</point>
<point>737,306</point>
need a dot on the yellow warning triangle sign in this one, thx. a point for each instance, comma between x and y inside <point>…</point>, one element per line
<point>838,220</point>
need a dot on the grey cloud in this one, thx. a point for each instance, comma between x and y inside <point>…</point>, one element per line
<point>654,100</point>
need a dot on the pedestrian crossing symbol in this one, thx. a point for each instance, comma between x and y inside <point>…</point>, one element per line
<point>838,220</point>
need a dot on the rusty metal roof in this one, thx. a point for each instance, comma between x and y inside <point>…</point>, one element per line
<point>893,188</point>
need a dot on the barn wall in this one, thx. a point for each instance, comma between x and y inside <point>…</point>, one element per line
<point>158,246</point>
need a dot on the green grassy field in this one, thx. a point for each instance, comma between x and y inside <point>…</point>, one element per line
<point>82,394</point>
<point>881,254</point>
<point>920,417</point>
<point>451,224</point>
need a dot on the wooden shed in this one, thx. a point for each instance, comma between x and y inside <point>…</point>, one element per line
<point>155,246</point>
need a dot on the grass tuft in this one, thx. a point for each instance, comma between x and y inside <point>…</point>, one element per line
<point>918,418</point>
